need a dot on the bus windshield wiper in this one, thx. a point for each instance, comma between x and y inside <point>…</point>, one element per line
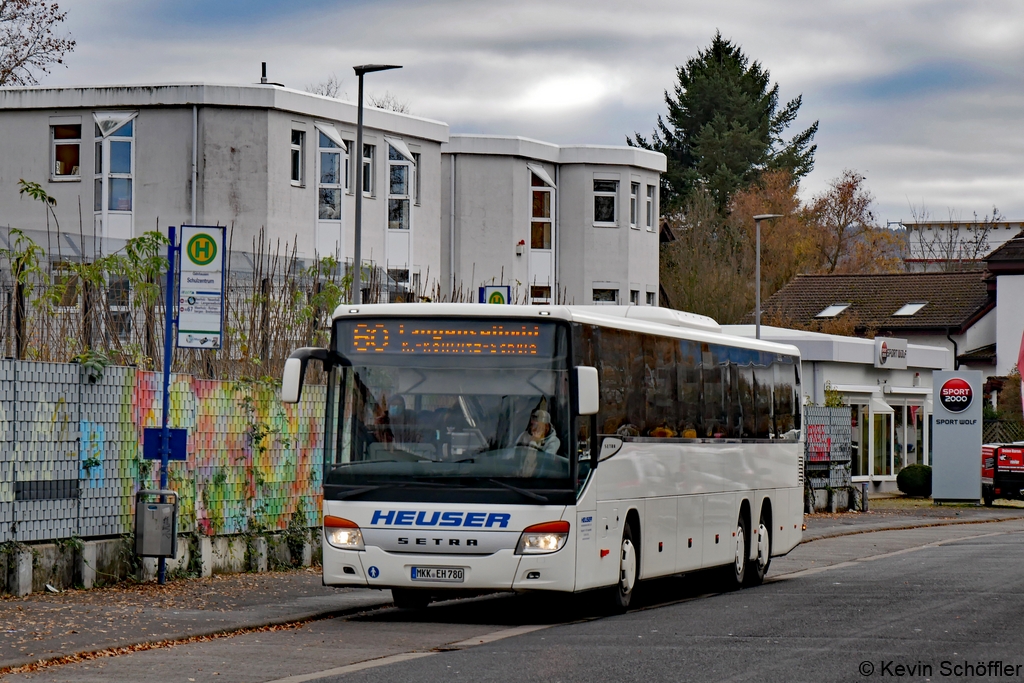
<point>522,492</point>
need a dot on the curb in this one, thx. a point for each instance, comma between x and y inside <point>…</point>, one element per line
<point>170,641</point>
<point>898,527</point>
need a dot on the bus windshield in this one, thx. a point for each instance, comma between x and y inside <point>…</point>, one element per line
<point>427,408</point>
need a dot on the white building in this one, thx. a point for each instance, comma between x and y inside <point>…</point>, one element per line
<point>934,245</point>
<point>569,223</point>
<point>562,224</point>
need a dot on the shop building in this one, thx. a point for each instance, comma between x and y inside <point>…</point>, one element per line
<point>886,381</point>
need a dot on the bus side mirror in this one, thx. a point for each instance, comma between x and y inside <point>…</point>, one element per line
<point>588,394</point>
<point>295,372</point>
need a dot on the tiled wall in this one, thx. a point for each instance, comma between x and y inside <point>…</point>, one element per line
<point>71,452</point>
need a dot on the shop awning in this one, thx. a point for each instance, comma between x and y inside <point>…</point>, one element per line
<point>911,391</point>
<point>880,406</point>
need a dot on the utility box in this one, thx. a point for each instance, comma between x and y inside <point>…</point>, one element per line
<point>156,524</point>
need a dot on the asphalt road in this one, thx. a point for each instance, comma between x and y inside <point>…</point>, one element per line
<point>839,607</point>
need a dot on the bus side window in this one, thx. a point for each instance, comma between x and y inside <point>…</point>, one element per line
<point>688,408</point>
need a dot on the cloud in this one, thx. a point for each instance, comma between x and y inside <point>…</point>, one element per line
<point>919,95</point>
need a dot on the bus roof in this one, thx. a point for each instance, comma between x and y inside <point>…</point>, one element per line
<point>645,319</point>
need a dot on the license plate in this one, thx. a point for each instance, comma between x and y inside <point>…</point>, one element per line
<point>450,574</point>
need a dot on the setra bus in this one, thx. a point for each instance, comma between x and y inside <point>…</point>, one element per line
<point>473,447</point>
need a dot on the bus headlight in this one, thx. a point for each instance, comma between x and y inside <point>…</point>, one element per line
<point>343,533</point>
<point>543,538</point>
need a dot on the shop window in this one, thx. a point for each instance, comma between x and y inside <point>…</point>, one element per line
<point>605,193</point>
<point>634,205</point>
<point>330,178</point>
<point>540,215</point>
<point>297,153</point>
<point>650,208</point>
<point>66,151</point>
<point>882,443</point>
<point>399,201</point>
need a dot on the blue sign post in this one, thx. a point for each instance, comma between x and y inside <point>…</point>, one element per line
<point>165,436</point>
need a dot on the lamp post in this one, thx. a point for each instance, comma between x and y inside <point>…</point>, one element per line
<point>757,267</point>
<point>357,291</point>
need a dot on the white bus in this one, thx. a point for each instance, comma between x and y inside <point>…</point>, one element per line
<point>474,447</point>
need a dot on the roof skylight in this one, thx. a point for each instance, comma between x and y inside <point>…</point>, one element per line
<point>832,311</point>
<point>911,308</point>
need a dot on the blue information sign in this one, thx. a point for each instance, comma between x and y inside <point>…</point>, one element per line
<point>151,443</point>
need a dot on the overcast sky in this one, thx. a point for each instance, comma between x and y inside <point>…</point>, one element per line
<point>923,97</point>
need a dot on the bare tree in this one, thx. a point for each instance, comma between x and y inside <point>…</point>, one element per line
<point>956,246</point>
<point>328,88</point>
<point>389,102</point>
<point>29,43</point>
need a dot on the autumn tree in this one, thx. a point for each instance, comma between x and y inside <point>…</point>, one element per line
<point>724,127</point>
<point>848,238</point>
<point>30,42</point>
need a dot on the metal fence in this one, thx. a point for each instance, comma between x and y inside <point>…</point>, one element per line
<point>827,446</point>
<point>71,451</point>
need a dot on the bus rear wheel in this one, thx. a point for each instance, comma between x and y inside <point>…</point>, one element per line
<point>405,598</point>
<point>758,567</point>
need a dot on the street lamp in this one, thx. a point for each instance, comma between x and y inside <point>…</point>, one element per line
<point>757,267</point>
<point>357,291</point>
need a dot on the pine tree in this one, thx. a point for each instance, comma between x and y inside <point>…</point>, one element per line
<point>724,127</point>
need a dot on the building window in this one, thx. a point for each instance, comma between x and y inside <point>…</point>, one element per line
<point>832,311</point>
<point>368,151</point>
<point>634,297</point>
<point>118,304</point>
<point>651,301</point>
<point>540,295</point>
<point>605,192</point>
<point>298,145</point>
<point>67,151</point>
<point>330,180</point>
<point>398,190</point>
<point>540,217</point>
<point>348,164</point>
<point>634,205</point>
<point>606,296</point>
<point>650,208</point>
<point>115,154</point>
<point>419,176</point>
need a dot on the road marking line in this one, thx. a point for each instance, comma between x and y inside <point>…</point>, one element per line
<point>350,668</point>
<point>407,656</point>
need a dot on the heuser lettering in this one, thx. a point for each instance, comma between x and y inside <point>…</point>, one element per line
<point>484,520</point>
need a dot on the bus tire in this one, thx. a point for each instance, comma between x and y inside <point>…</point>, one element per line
<point>738,569</point>
<point>405,598</point>
<point>758,567</point>
<point>629,566</point>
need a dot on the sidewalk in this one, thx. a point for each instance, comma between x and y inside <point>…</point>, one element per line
<point>902,513</point>
<point>47,626</point>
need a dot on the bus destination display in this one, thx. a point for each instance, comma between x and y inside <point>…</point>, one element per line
<point>447,337</point>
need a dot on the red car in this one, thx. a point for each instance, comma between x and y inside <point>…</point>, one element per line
<point>1002,471</point>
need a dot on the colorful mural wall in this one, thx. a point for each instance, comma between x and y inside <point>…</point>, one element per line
<point>71,457</point>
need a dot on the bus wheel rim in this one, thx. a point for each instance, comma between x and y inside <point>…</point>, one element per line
<point>741,544</point>
<point>763,548</point>
<point>627,566</point>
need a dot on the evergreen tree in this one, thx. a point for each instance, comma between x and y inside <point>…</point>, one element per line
<point>724,128</point>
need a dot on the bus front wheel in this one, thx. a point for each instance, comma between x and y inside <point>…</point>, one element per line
<point>622,593</point>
